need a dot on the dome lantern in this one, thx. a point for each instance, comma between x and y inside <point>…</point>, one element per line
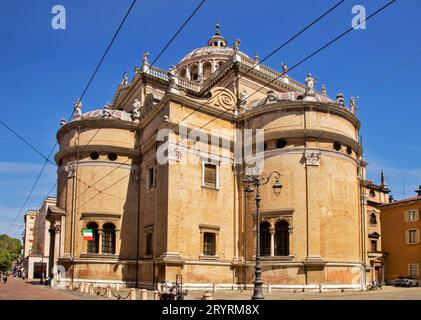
<point>217,40</point>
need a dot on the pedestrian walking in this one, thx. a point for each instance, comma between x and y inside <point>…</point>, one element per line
<point>4,278</point>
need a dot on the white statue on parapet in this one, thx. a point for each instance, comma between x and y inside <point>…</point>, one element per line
<point>353,104</point>
<point>77,107</point>
<point>137,107</point>
<point>340,99</point>
<point>236,45</point>
<point>125,79</point>
<point>310,81</point>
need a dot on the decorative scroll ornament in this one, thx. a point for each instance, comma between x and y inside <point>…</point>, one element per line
<point>312,158</point>
<point>221,97</point>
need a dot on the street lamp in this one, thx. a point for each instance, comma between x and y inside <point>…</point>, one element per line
<point>256,181</point>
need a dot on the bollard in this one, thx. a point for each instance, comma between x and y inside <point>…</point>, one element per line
<point>117,286</point>
<point>82,287</point>
<point>109,293</point>
<point>214,287</point>
<point>269,288</point>
<point>132,294</point>
<point>320,288</point>
<point>143,294</point>
<point>91,289</point>
<point>87,288</point>
<point>156,295</point>
<point>207,296</point>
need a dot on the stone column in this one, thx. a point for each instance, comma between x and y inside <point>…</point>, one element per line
<point>272,241</point>
<point>213,67</point>
<point>188,73</point>
<point>117,242</point>
<point>100,233</point>
<point>57,231</point>
<point>312,162</point>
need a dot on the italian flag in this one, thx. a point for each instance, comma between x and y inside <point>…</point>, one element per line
<point>87,234</point>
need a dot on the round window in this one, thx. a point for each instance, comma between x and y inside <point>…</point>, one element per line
<point>112,156</point>
<point>349,150</point>
<point>94,155</point>
<point>281,143</point>
<point>337,146</point>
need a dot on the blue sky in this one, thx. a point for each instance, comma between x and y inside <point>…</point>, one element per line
<point>44,70</point>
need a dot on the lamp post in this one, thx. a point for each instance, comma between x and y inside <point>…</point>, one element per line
<point>256,181</point>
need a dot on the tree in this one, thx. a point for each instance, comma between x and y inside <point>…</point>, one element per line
<point>10,249</point>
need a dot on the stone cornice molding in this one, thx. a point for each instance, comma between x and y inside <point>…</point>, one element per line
<point>93,123</point>
<point>287,105</point>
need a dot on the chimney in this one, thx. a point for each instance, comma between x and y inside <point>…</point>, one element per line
<point>418,191</point>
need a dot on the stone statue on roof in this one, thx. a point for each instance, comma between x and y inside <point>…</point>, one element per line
<point>324,92</point>
<point>340,99</point>
<point>145,57</point>
<point>77,107</point>
<point>236,44</point>
<point>137,110</point>
<point>353,104</point>
<point>125,79</point>
<point>309,84</point>
<point>284,68</point>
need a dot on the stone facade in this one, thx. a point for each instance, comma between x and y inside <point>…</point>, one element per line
<point>401,225</point>
<point>154,221</point>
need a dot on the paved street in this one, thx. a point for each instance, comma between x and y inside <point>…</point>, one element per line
<point>30,290</point>
<point>386,293</point>
<point>17,289</point>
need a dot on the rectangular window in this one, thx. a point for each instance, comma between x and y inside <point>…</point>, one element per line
<point>412,215</point>
<point>149,239</point>
<point>413,269</point>
<point>150,178</point>
<point>373,245</point>
<point>412,236</point>
<point>209,241</point>
<point>210,175</point>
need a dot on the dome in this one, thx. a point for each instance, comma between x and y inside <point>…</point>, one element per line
<point>205,51</point>
<point>199,64</point>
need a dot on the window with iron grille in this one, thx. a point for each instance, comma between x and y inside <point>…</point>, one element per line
<point>108,238</point>
<point>264,239</point>
<point>209,241</point>
<point>210,175</point>
<point>282,238</point>
<point>93,245</point>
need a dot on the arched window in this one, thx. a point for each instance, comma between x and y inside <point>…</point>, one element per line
<point>93,245</point>
<point>194,72</point>
<point>108,238</point>
<point>264,239</point>
<point>207,69</point>
<point>183,73</point>
<point>282,238</point>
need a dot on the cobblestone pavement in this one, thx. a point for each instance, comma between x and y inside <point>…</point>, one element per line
<point>17,289</point>
<point>386,293</point>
